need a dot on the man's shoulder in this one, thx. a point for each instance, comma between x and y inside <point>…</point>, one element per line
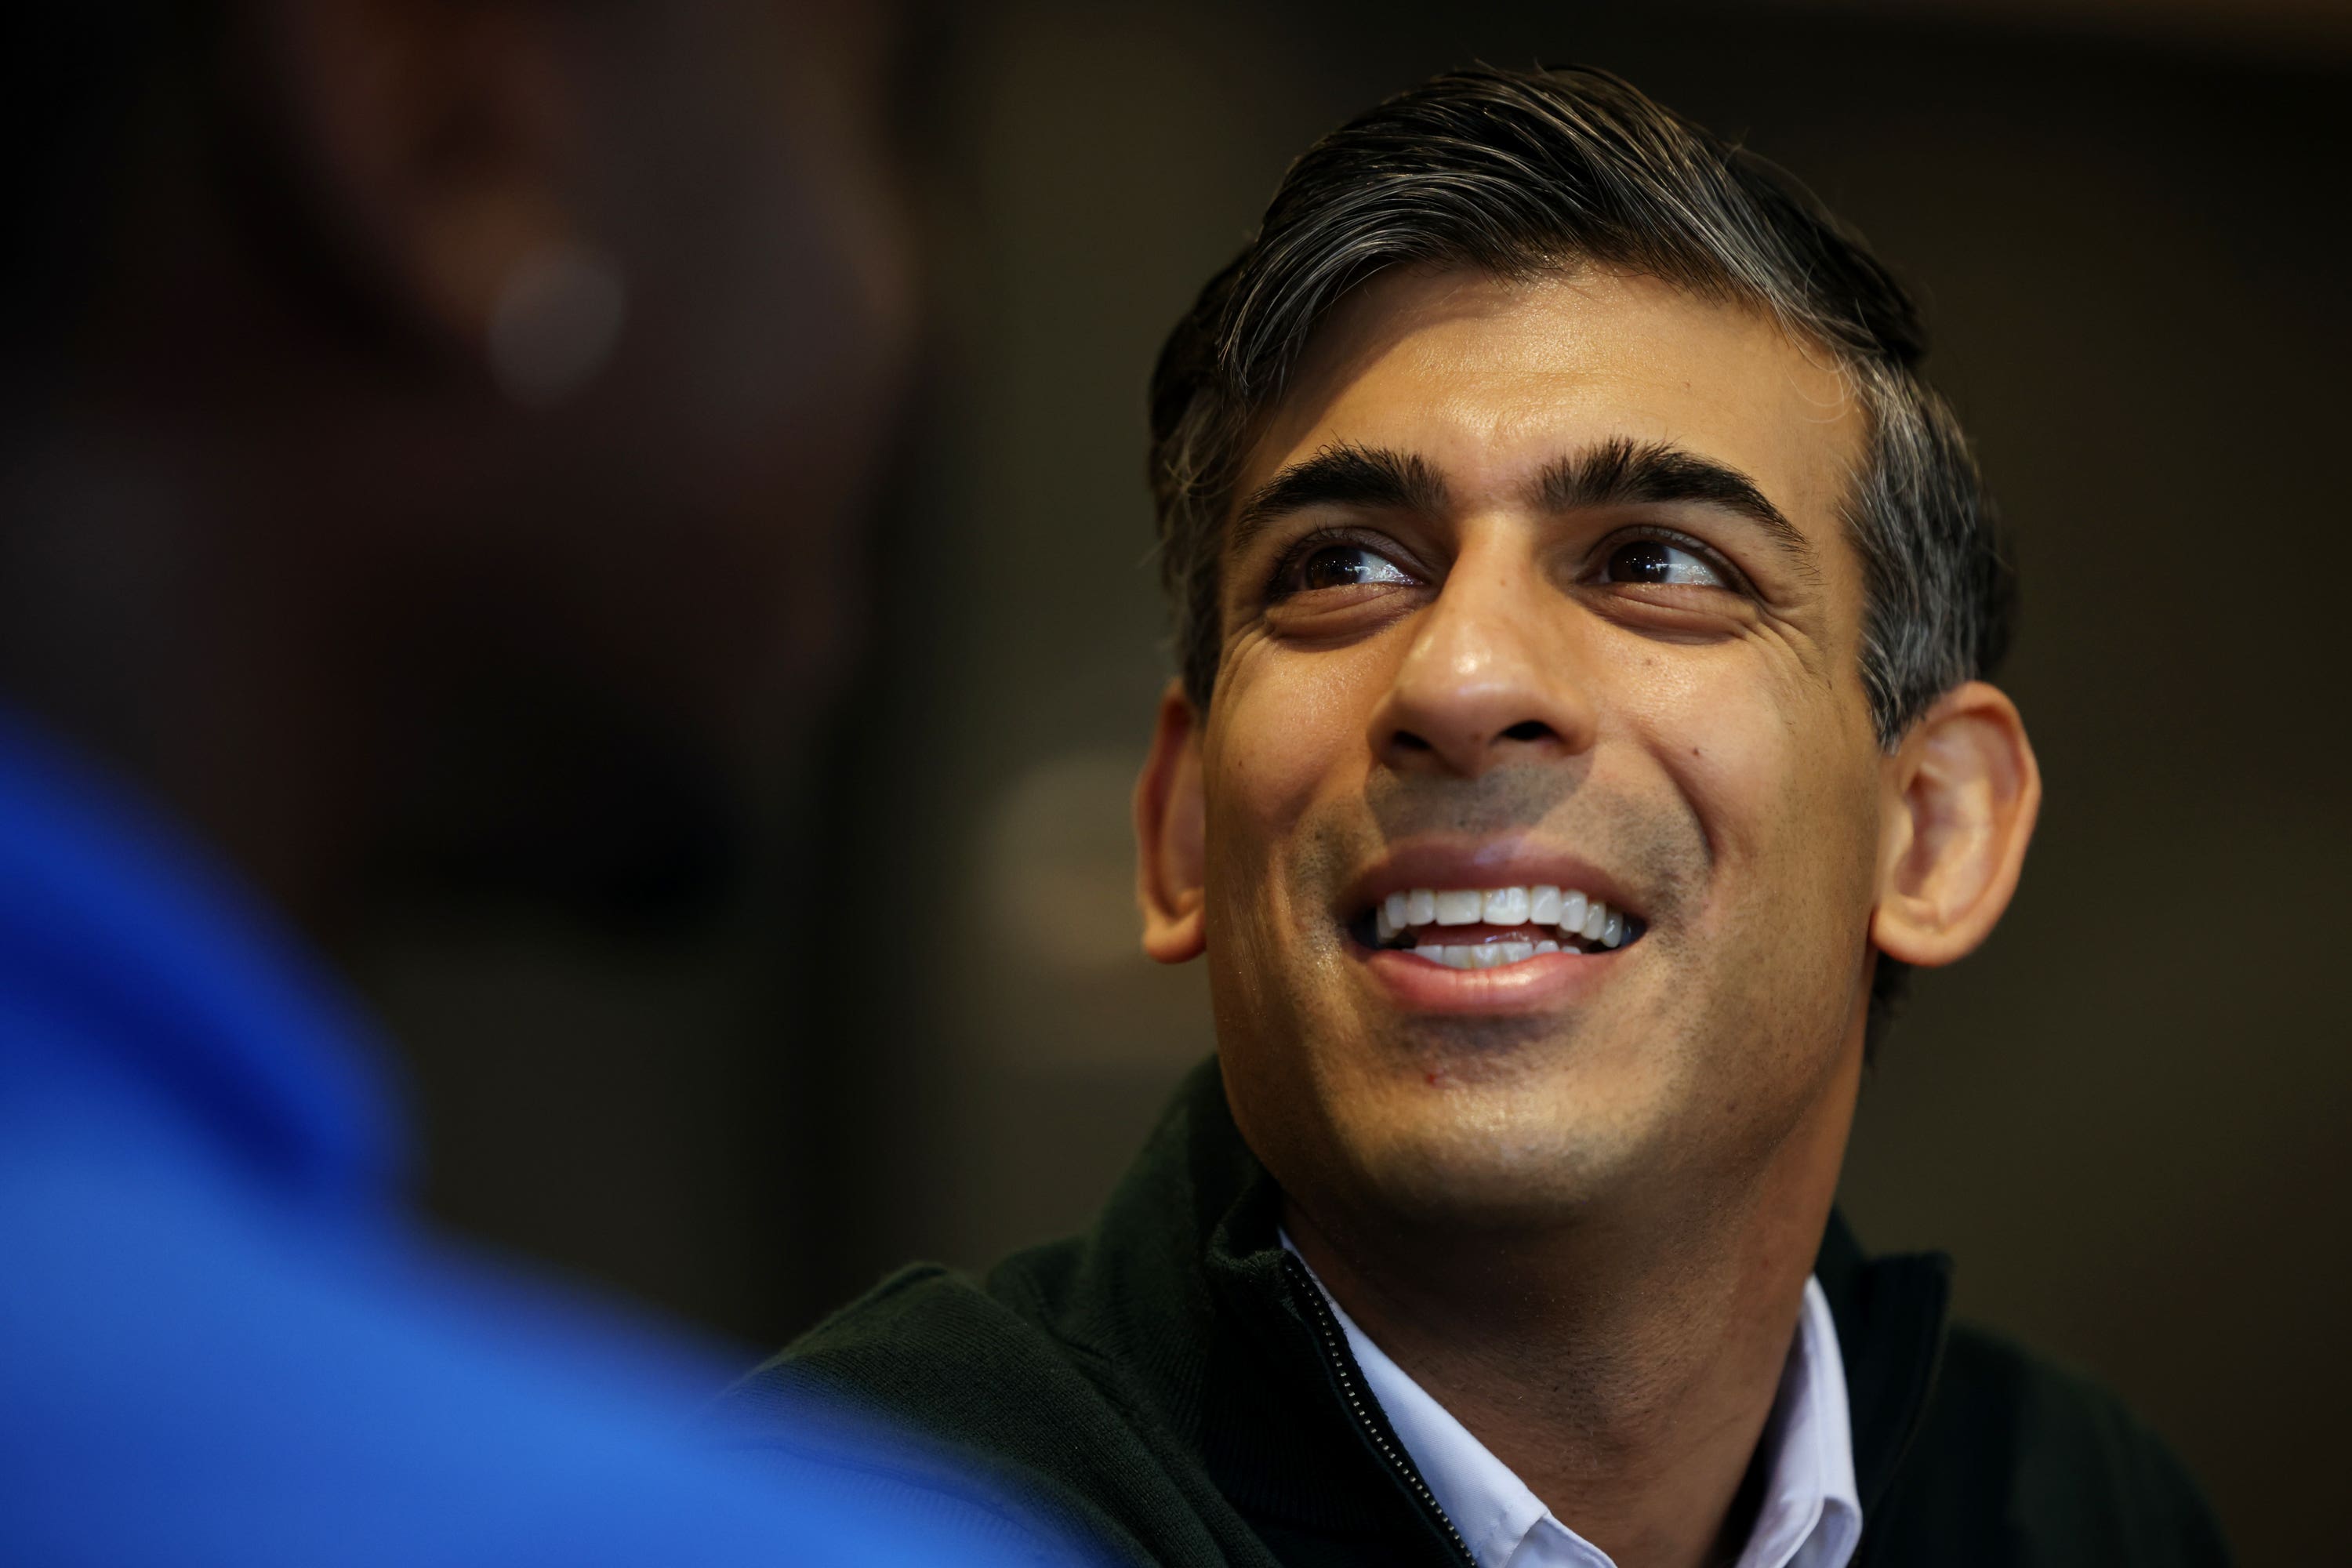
<point>1004,1381</point>
<point>2021,1459</point>
<point>321,1389</point>
<point>940,1348</point>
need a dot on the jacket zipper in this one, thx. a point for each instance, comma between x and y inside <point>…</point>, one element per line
<point>1360,1404</point>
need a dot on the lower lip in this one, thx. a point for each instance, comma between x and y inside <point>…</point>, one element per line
<point>1531,985</point>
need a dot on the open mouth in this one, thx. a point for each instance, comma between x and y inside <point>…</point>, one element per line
<point>1492,928</point>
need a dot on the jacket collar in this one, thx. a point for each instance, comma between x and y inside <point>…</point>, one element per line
<point>1891,1314</point>
<point>1185,1288</point>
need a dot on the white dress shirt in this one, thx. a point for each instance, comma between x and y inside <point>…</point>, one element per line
<point>1811,1514</point>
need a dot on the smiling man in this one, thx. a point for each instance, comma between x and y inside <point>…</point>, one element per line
<point>1585,607</point>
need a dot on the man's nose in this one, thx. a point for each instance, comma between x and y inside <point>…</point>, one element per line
<point>1493,675</point>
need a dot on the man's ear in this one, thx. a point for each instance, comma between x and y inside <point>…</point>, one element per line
<point>1963,792</point>
<point>1170,817</point>
<point>436,137</point>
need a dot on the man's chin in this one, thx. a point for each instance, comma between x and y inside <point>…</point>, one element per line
<point>1485,1163</point>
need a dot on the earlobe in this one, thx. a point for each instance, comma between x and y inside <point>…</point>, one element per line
<point>1170,817</point>
<point>1962,792</point>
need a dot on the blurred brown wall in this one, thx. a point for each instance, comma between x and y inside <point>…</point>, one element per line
<point>2124,1117</point>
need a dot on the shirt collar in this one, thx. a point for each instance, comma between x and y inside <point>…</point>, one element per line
<point>1811,1512</point>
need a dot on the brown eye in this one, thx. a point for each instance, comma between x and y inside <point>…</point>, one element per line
<point>1655,561</point>
<point>1346,566</point>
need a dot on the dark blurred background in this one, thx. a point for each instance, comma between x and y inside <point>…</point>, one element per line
<point>928,1031</point>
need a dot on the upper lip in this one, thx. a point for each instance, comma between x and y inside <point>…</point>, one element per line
<point>1441,863</point>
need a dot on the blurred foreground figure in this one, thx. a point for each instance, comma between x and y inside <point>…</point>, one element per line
<point>426,442</point>
<point>1587,613</point>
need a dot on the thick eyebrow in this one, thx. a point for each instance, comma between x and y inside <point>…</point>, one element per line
<point>1622,471</point>
<point>1342,475</point>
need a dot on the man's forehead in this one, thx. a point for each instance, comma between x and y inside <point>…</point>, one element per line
<point>1489,382</point>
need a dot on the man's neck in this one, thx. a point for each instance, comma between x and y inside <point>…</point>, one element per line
<point>1623,1366</point>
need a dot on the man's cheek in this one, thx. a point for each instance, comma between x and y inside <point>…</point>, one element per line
<point>1284,737</point>
<point>1768,921</point>
<point>1734,762</point>
<point>1788,895</point>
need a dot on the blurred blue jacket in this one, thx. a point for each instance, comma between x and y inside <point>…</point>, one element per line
<point>222,1338</point>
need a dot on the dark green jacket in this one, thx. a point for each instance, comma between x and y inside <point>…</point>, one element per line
<point>1174,1385</point>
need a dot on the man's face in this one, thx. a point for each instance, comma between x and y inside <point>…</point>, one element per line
<point>1540,585</point>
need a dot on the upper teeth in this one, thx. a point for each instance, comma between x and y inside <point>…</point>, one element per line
<point>1573,913</point>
